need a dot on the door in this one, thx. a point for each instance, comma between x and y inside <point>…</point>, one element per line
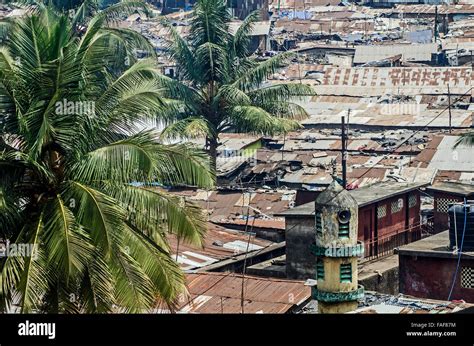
<point>368,233</point>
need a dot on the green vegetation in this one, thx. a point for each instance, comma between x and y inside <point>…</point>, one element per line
<point>73,99</point>
<point>222,87</point>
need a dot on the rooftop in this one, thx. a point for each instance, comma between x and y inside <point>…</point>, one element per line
<point>431,9</point>
<point>221,293</point>
<point>379,303</point>
<point>446,157</point>
<point>433,246</point>
<point>219,243</point>
<point>395,80</point>
<point>410,52</point>
<point>456,188</point>
<point>363,195</point>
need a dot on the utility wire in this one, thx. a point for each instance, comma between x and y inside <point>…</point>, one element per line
<point>405,141</point>
<point>459,251</point>
<point>362,175</point>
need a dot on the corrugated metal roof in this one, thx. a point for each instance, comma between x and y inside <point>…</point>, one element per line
<point>404,80</point>
<point>446,157</point>
<point>453,187</point>
<point>219,243</point>
<point>431,9</point>
<point>299,3</point>
<point>221,293</point>
<point>260,28</point>
<point>364,196</point>
<point>226,207</point>
<point>409,52</point>
<point>404,114</point>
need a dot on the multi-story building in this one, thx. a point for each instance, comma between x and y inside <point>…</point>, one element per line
<point>242,8</point>
<point>239,8</point>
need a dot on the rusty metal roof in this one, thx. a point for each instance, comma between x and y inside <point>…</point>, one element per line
<point>221,293</point>
<point>466,190</point>
<point>219,243</point>
<point>431,9</point>
<point>363,195</point>
<point>405,80</point>
<point>410,52</point>
<point>225,206</point>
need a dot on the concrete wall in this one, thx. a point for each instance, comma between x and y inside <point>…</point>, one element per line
<point>300,234</point>
<point>431,277</point>
<point>383,282</point>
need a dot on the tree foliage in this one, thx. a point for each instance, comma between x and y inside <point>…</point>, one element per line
<point>221,87</point>
<point>65,183</point>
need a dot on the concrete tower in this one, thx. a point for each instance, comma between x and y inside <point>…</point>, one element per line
<point>337,250</point>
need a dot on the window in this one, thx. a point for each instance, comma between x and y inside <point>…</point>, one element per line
<point>346,272</point>
<point>397,205</point>
<point>467,277</point>
<point>319,224</point>
<point>442,204</point>
<point>381,211</point>
<point>343,229</point>
<point>412,200</point>
<point>320,270</point>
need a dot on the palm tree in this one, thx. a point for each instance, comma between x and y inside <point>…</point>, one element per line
<point>70,147</point>
<point>466,139</point>
<point>222,88</point>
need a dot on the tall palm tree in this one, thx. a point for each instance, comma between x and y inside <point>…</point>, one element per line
<point>222,88</point>
<point>70,147</point>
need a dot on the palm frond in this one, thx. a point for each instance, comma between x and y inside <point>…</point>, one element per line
<point>34,278</point>
<point>241,39</point>
<point>68,245</point>
<point>99,214</point>
<point>187,128</point>
<point>152,210</point>
<point>254,77</point>
<point>253,119</point>
<point>466,139</point>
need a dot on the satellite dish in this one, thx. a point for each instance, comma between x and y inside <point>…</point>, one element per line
<point>344,216</point>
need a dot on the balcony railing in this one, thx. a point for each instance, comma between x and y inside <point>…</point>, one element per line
<point>384,246</point>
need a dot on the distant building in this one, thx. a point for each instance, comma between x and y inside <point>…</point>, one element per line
<point>420,53</point>
<point>392,3</point>
<point>444,194</point>
<point>239,8</point>
<point>242,8</point>
<point>389,216</point>
<point>175,5</point>
<point>427,270</point>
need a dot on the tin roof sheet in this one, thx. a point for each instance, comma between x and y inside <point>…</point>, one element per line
<point>221,293</point>
<point>409,52</point>
<point>219,243</point>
